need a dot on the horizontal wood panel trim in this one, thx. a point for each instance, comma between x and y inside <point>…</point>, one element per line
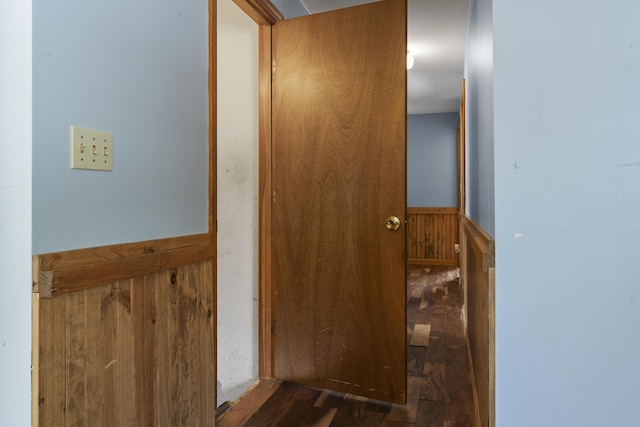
<point>420,261</point>
<point>432,211</point>
<point>61,273</point>
<point>263,12</point>
<point>482,240</point>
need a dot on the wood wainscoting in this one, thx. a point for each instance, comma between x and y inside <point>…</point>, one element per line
<point>125,335</point>
<point>432,234</point>
<point>478,276</point>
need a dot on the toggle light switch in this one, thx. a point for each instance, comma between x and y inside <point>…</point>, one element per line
<point>91,149</point>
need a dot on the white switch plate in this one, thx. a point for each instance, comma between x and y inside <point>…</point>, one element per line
<point>91,149</point>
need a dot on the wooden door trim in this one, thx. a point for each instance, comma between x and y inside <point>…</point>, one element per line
<point>462,151</point>
<point>263,12</point>
<point>265,286</point>
<point>213,119</point>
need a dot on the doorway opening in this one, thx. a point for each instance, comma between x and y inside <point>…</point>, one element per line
<point>265,329</point>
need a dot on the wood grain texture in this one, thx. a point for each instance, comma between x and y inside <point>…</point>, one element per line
<point>431,236</point>
<point>62,273</point>
<point>51,395</point>
<point>441,392</point>
<point>479,284</point>
<point>433,383</point>
<point>133,352</point>
<point>265,368</point>
<point>339,156</point>
<point>242,410</point>
<point>35,359</point>
<point>144,319</point>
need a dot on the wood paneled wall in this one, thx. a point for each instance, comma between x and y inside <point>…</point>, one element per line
<point>136,351</point>
<point>431,236</point>
<point>478,275</point>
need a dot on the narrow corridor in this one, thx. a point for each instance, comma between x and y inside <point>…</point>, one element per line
<point>439,390</point>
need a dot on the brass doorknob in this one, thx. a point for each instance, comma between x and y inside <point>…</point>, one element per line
<point>393,223</point>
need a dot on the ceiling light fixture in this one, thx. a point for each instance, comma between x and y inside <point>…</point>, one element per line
<point>410,61</point>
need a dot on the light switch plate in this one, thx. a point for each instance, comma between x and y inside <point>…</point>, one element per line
<point>91,149</point>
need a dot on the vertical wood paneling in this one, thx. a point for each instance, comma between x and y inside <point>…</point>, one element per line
<point>166,386</point>
<point>135,352</point>
<point>479,283</point>
<point>125,382</point>
<point>187,346</point>
<point>52,392</point>
<point>412,242</point>
<point>101,330</point>
<point>431,236</point>
<point>425,236</point>
<point>143,319</point>
<point>76,348</point>
<point>207,350</point>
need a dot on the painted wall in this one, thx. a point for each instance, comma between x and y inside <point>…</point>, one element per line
<point>480,150</point>
<point>567,157</point>
<point>291,9</point>
<point>15,213</point>
<point>432,156</point>
<point>139,70</point>
<point>237,200</point>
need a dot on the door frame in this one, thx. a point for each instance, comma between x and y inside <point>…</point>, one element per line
<point>265,260</point>
<point>265,14</point>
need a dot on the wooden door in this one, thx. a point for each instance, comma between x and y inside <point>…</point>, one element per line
<point>339,171</point>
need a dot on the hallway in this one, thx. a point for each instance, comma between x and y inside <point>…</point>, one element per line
<point>439,392</point>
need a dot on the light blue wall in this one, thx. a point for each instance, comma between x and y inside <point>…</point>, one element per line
<point>479,80</point>
<point>15,213</point>
<point>567,157</point>
<point>432,155</point>
<point>137,69</point>
<point>290,8</point>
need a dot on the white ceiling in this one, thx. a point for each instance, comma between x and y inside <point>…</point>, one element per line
<point>436,39</point>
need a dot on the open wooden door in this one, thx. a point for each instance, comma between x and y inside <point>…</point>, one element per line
<point>338,174</point>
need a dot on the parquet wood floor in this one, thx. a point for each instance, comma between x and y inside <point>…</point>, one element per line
<point>439,391</point>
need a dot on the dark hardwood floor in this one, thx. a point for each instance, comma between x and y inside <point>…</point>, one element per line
<point>438,382</point>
